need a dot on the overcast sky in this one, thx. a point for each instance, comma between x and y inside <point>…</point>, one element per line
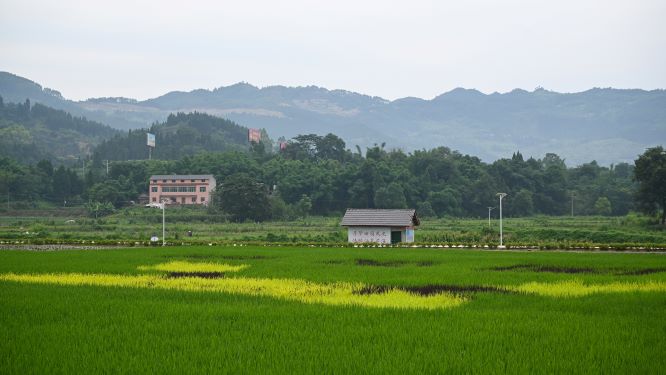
<point>392,49</point>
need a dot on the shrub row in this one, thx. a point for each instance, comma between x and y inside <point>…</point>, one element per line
<point>522,245</point>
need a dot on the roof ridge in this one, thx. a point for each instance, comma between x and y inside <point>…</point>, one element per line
<point>398,217</point>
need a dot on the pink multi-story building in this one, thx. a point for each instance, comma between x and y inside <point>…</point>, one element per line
<point>181,189</point>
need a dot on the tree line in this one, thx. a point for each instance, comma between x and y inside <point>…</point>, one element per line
<point>318,175</point>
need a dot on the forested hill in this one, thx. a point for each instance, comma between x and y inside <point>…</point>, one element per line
<point>606,125</point>
<point>29,133</point>
<point>180,135</point>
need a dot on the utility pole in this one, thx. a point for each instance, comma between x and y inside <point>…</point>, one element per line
<point>150,142</point>
<point>489,209</point>
<point>163,222</point>
<point>107,167</point>
<point>501,245</point>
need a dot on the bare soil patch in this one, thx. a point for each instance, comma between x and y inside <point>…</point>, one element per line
<point>577,270</point>
<point>380,263</point>
<point>544,268</point>
<point>391,263</point>
<point>201,275</point>
<point>335,261</point>
<point>213,256</point>
<point>58,247</point>
<point>432,289</point>
<point>645,271</point>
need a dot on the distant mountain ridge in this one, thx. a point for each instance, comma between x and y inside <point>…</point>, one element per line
<point>607,125</point>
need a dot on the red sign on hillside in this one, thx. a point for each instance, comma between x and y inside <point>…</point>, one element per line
<point>254,135</point>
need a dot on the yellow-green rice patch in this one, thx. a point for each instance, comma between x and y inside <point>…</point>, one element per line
<point>182,266</point>
<point>337,294</point>
<point>576,288</point>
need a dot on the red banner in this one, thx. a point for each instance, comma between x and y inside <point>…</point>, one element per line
<point>254,135</point>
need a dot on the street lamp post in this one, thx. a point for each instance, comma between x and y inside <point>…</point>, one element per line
<point>163,223</point>
<point>501,195</point>
<point>489,209</point>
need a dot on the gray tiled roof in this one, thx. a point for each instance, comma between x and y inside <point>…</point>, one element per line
<point>378,217</point>
<point>181,176</point>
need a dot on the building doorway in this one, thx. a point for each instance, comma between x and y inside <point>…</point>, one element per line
<point>396,237</point>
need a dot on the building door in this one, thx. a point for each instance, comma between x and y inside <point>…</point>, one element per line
<point>396,237</point>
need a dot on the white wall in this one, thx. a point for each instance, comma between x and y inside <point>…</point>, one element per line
<point>369,234</point>
<point>408,235</point>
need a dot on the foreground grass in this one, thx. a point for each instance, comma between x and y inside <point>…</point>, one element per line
<point>47,328</point>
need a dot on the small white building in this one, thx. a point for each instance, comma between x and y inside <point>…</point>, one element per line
<point>385,226</point>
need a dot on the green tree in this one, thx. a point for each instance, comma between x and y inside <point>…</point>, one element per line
<point>258,149</point>
<point>602,206</point>
<point>424,209</point>
<point>522,204</point>
<point>392,196</point>
<point>331,147</point>
<point>279,209</point>
<point>98,209</point>
<point>650,173</point>
<point>108,191</point>
<point>62,187</point>
<point>304,206</point>
<point>243,197</point>
<point>302,147</point>
<point>445,202</point>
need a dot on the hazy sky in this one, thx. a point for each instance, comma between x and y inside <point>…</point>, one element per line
<point>391,49</point>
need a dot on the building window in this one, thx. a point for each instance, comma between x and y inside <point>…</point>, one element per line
<point>154,199</point>
<point>182,180</point>
<point>182,200</point>
<point>202,189</point>
<point>194,199</point>
<point>153,189</point>
<point>154,181</point>
<point>193,181</point>
<point>178,189</point>
<point>163,180</point>
<point>203,180</point>
<point>203,199</point>
<point>173,181</point>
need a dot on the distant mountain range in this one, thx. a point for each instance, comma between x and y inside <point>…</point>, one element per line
<point>607,125</point>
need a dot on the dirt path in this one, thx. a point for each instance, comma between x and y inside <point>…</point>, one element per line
<point>57,247</point>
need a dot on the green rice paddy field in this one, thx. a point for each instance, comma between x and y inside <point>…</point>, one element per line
<point>331,310</point>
